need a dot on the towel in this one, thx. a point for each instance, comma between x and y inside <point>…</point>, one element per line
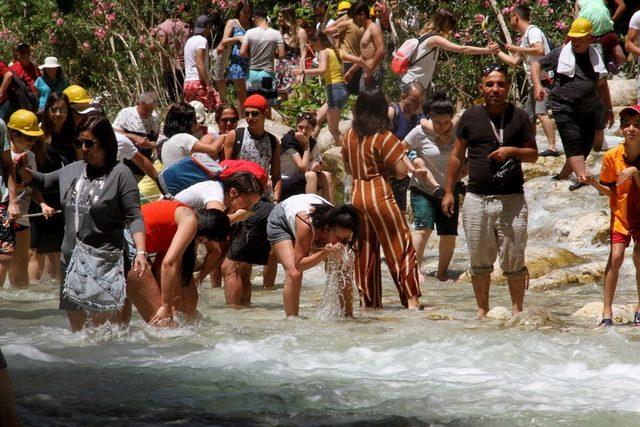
<point>567,61</point>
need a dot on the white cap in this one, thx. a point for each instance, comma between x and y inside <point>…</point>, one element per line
<point>50,62</point>
<point>201,113</point>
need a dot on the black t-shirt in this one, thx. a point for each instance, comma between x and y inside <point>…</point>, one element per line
<point>577,93</point>
<point>475,129</point>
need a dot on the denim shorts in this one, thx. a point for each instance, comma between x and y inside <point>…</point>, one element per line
<point>263,83</point>
<point>337,95</point>
<point>278,229</point>
<point>427,214</point>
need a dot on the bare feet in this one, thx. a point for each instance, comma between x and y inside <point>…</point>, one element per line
<point>444,277</point>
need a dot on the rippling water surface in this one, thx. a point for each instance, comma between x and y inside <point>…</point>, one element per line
<point>390,367</point>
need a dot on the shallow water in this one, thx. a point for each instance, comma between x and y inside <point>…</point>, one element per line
<point>389,367</point>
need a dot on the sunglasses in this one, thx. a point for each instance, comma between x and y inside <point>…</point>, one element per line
<point>89,143</point>
<point>229,119</point>
<point>252,113</point>
<point>494,67</point>
<point>306,116</point>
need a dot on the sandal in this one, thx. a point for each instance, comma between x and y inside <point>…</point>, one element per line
<point>577,185</point>
<point>549,153</point>
<point>636,318</point>
<point>606,323</point>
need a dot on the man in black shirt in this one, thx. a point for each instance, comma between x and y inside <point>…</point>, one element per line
<point>579,90</point>
<point>496,137</point>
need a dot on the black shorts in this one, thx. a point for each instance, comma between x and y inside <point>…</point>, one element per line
<point>249,242</point>
<point>293,185</point>
<point>46,235</point>
<point>576,131</point>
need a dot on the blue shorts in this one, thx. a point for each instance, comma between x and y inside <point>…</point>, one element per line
<point>337,95</point>
<point>427,214</point>
<point>263,83</point>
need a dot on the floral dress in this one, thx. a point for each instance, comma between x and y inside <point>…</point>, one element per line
<point>238,66</point>
<point>285,66</point>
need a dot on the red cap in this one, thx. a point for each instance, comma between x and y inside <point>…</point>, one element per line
<point>256,101</point>
<point>634,109</point>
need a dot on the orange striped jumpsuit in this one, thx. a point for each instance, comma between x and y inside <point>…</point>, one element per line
<point>382,222</point>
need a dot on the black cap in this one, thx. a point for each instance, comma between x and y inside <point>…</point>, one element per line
<point>202,23</point>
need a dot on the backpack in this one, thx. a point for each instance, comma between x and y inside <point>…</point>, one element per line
<point>230,167</point>
<point>401,61</point>
<point>188,171</point>
<point>20,96</point>
<point>547,77</point>
<point>237,144</point>
<point>549,44</point>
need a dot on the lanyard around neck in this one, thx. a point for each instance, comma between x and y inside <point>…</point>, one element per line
<point>499,135</point>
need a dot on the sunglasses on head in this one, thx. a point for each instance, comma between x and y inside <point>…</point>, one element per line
<point>89,143</point>
<point>493,67</point>
<point>306,116</point>
<point>252,113</point>
<point>229,119</point>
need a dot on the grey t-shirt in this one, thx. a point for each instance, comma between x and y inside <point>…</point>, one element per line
<point>107,203</point>
<point>263,44</point>
<point>433,152</point>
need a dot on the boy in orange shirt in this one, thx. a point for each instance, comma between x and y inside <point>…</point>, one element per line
<point>620,180</point>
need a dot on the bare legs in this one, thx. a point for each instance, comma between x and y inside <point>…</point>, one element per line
<point>19,272</point>
<point>293,281</point>
<point>549,131</point>
<point>481,284</point>
<point>237,283</point>
<point>612,271</point>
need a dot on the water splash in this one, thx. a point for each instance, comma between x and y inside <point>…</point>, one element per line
<point>338,282</point>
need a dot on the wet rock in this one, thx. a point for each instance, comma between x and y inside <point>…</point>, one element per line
<point>534,316</point>
<point>593,310</point>
<point>578,275</point>
<point>591,227</point>
<point>499,313</point>
<point>438,316</point>
<point>540,262</point>
<point>623,91</point>
<point>332,162</point>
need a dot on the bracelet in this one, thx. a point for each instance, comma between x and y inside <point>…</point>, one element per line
<point>142,253</point>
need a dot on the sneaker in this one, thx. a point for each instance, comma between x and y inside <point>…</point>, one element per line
<point>549,153</point>
<point>636,318</point>
<point>577,185</point>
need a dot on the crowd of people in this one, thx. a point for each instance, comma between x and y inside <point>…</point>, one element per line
<point>116,210</point>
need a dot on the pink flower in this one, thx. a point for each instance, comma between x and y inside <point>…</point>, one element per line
<point>86,46</point>
<point>59,21</point>
<point>142,39</point>
<point>479,18</point>
<point>52,39</point>
<point>560,25</point>
<point>543,3</point>
<point>111,17</point>
<point>142,55</point>
<point>457,35</point>
<point>100,33</point>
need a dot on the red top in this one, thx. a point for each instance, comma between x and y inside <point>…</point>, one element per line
<point>160,224</point>
<point>3,69</point>
<point>29,74</point>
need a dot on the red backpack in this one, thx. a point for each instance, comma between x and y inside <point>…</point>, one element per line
<point>229,167</point>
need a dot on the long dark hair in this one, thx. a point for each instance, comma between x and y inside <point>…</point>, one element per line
<point>443,21</point>
<point>179,119</point>
<point>101,129</point>
<point>241,5</point>
<point>212,224</point>
<point>343,216</point>
<point>370,113</point>
<point>68,133</point>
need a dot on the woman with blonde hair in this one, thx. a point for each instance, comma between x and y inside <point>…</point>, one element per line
<point>435,36</point>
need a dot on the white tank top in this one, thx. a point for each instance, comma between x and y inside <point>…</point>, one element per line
<point>299,204</point>
<point>422,71</point>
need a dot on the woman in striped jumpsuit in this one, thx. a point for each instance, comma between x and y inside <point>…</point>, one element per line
<point>371,153</point>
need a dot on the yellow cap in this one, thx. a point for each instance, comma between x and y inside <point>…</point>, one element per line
<point>24,121</point>
<point>77,95</point>
<point>580,27</point>
<point>343,5</point>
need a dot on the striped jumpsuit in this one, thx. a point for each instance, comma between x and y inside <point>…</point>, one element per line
<point>382,222</point>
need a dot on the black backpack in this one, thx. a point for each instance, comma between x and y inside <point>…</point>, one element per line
<point>20,96</point>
